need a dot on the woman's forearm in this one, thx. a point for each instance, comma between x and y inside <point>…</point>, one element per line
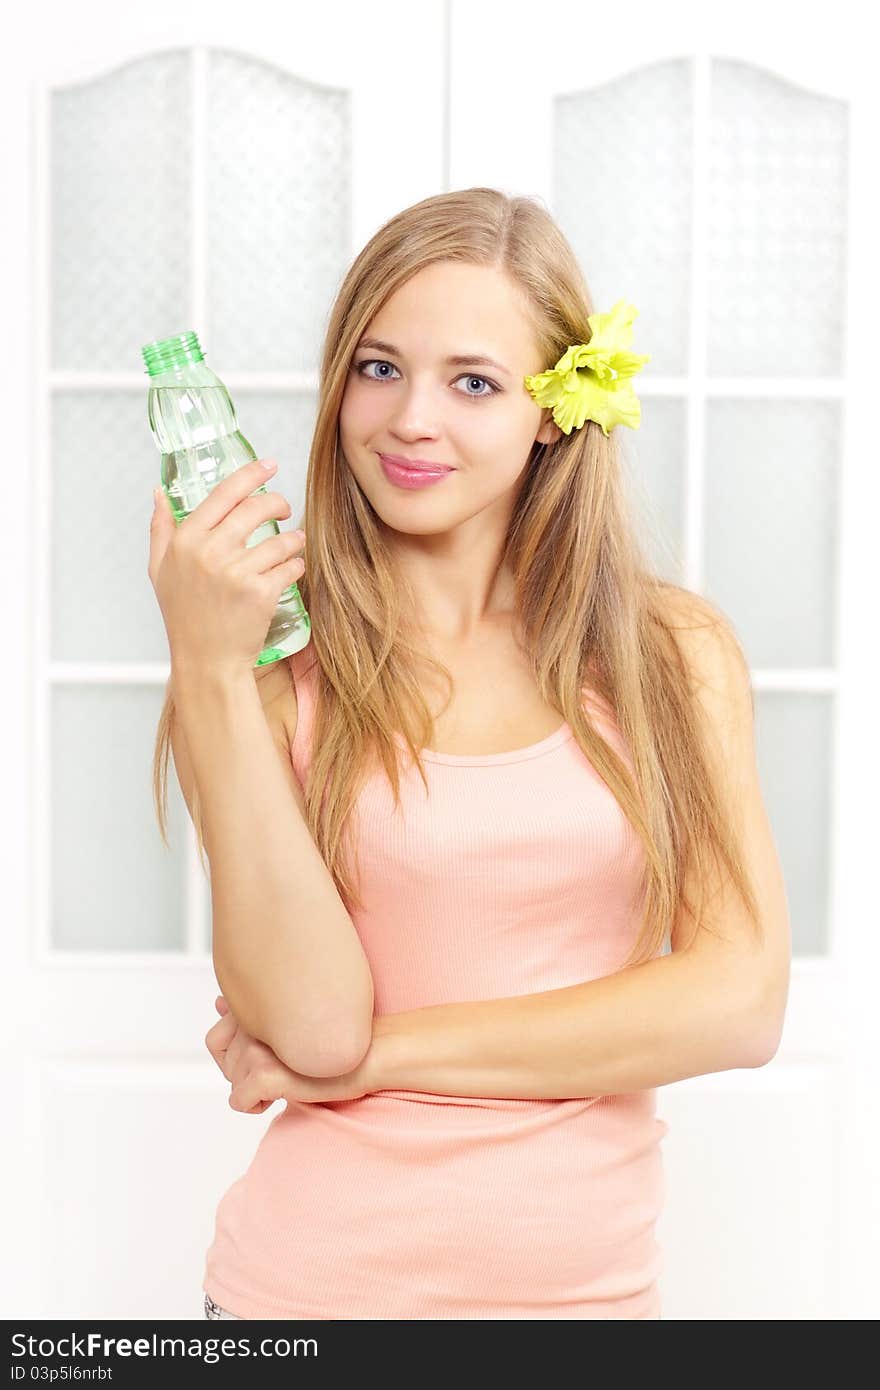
<point>681,1015</point>
<point>286,953</point>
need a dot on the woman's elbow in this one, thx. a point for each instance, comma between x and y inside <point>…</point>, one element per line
<point>331,1048</point>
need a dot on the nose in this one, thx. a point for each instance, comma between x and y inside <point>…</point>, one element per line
<point>415,414</point>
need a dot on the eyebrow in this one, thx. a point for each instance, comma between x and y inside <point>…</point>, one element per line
<point>460,359</point>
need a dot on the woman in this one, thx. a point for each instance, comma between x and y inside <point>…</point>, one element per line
<point>566,888</point>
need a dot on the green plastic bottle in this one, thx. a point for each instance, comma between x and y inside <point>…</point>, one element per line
<point>193,422</point>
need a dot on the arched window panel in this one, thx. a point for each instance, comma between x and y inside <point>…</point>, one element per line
<point>278,180</point>
<point>622,191</point>
<point>777,226</point>
<point>121,167</point>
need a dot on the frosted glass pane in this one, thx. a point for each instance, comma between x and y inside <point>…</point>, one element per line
<point>771,525</point>
<point>793,744</point>
<point>120,171</point>
<point>115,887</point>
<point>622,176</point>
<point>278,194</point>
<point>653,467</point>
<point>777,202</point>
<point>104,468</point>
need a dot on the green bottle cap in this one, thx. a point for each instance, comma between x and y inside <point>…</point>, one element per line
<point>171,354</point>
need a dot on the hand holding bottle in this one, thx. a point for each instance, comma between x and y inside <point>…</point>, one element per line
<point>194,426</point>
<point>217,594</point>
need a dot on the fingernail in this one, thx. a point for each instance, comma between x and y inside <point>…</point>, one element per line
<point>269,464</point>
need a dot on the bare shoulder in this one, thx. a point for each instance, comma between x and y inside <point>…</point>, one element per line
<point>683,608</point>
<point>718,673</point>
<point>710,647</point>
<point>278,693</point>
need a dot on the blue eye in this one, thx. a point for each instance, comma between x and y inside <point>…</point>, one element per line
<point>468,376</point>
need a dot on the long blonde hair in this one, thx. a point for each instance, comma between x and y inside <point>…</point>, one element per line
<point>590,610</point>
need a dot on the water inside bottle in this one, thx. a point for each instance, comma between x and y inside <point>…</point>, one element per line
<point>214,449</point>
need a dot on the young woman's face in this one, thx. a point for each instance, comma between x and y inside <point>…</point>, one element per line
<point>406,399</point>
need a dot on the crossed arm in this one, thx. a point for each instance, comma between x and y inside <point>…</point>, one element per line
<point>716,1002</point>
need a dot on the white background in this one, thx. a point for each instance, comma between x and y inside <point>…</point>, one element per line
<point>119,1141</point>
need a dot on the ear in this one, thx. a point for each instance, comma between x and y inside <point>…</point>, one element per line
<point>549,431</point>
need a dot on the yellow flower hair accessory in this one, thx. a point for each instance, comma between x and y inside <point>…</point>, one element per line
<point>591,381</point>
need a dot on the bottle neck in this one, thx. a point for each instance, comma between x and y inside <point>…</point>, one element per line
<point>177,354</point>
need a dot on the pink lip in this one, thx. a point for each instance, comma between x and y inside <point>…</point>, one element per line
<point>415,465</point>
<point>410,477</point>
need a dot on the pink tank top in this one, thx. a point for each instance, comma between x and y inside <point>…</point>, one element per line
<point>517,874</point>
